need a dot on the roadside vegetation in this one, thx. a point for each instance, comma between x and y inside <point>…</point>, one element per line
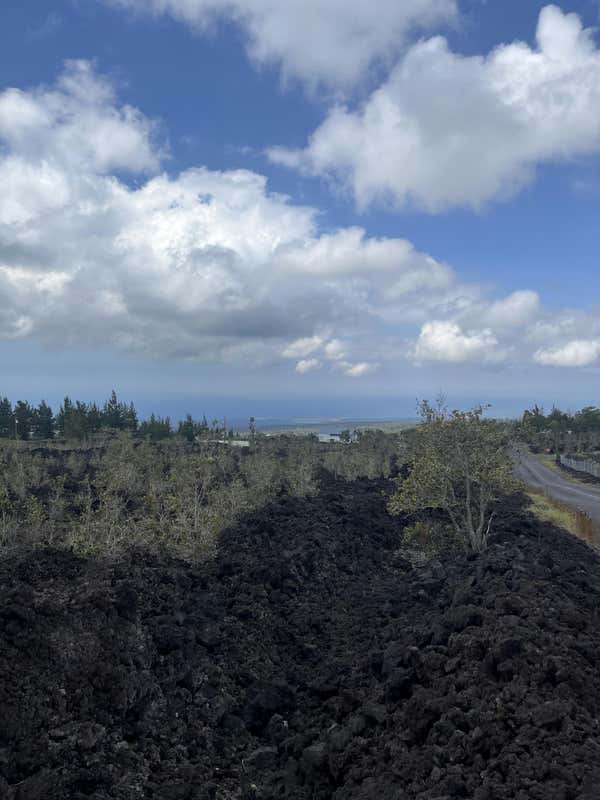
<point>568,442</point>
<point>459,466</point>
<point>574,520</point>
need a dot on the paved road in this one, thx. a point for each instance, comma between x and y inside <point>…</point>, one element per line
<point>586,498</point>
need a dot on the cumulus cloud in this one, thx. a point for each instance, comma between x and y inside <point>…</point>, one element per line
<point>445,341</point>
<point>213,266</point>
<point>204,264</point>
<point>558,328</point>
<point>515,329</point>
<point>359,370</point>
<point>78,125</point>
<point>517,309</point>
<point>307,365</point>
<point>576,353</point>
<point>329,42</point>
<point>392,264</point>
<point>303,347</point>
<point>335,350</point>
<point>446,130</point>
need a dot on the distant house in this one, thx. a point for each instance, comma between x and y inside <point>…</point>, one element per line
<point>335,438</point>
<point>329,438</point>
<point>229,442</point>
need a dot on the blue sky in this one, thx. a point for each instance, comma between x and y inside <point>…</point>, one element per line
<point>302,208</point>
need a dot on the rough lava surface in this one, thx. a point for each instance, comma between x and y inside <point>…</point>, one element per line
<point>307,661</point>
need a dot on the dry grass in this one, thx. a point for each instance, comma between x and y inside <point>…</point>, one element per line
<point>547,459</point>
<point>573,520</point>
<point>550,461</point>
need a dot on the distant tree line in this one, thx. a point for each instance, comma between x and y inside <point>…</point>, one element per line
<point>562,431</point>
<point>557,421</point>
<point>79,420</point>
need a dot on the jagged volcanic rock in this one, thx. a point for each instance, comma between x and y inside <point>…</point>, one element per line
<point>307,661</point>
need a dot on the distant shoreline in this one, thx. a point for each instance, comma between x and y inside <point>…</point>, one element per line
<point>332,425</point>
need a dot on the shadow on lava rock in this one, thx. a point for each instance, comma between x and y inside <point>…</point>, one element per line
<point>303,662</point>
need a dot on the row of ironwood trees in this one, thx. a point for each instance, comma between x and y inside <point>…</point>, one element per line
<point>79,420</point>
<point>587,419</point>
<point>562,431</point>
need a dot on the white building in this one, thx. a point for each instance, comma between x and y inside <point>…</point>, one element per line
<point>331,438</point>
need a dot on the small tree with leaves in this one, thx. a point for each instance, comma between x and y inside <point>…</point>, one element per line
<point>459,464</point>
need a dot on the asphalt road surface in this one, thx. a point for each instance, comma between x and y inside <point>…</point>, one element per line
<point>535,474</point>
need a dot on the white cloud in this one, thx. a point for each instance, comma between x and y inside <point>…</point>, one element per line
<point>469,328</point>
<point>392,264</point>
<point>330,42</point>
<point>307,365</point>
<point>204,264</point>
<point>30,190</point>
<point>213,266</point>
<point>508,316</point>
<point>576,353</point>
<point>446,130</point>
<point>445,341</point>
<point>335,350</point>
<point>513,311</point>
<point>359,370</point>
<point>303,347</point>
<point>78,125</point>
<point>556,329</point>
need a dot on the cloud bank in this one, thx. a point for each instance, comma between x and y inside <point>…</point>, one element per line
<point>100,246</point>
<point>204,265</point>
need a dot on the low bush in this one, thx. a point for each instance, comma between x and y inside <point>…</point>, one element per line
<point>120,491</point>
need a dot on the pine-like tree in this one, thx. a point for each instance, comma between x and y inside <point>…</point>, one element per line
<point>7,423</point>
<point>72,420</point>
<point>156,428</point>
<point>23,415</point>
<point>43,422</point>
<point>131,418</point>
<point>64,413</point>
<point>187,428</point>
<point>112,413</point>
<point>94,418</point>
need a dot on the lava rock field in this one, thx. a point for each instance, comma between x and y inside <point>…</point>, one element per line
<point>308,660</point>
